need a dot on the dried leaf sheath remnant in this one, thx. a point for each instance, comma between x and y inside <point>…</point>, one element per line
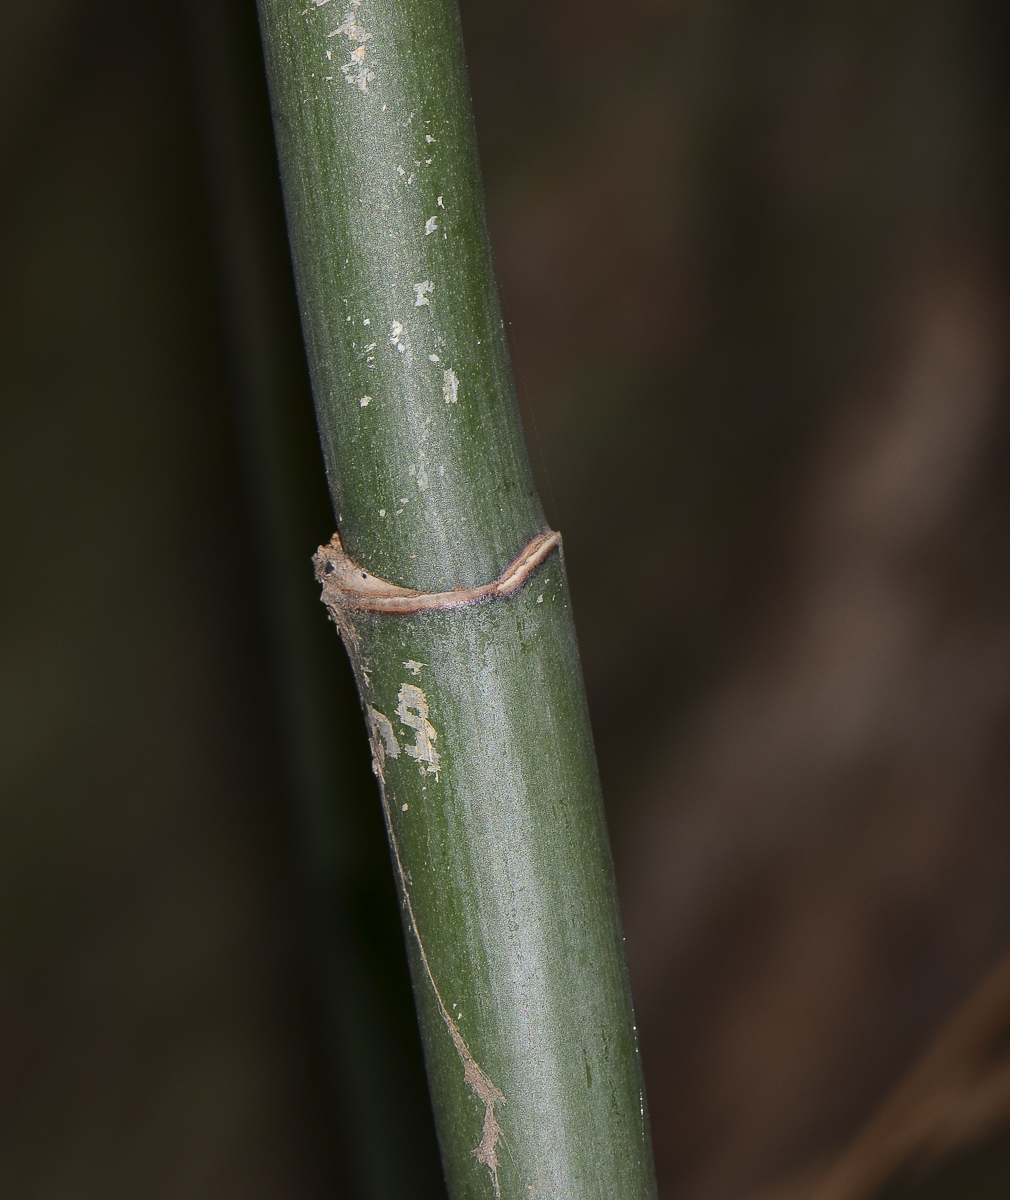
<point>348,585</point>
<point>486,1152</point>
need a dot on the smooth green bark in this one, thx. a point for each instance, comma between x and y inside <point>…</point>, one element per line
<point>477,715</point>
<point>384,1134</point>
<point>429,494</point>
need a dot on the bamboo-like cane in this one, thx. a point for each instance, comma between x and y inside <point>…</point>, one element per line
<point>450,594</point>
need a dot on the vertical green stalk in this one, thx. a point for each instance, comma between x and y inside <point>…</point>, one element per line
<point>467,666</point>
<point>380,1125</point>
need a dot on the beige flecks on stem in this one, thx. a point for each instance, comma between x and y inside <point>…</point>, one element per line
<point>422,291</point>
<point>450,386</point>
<point>398,338</point>
<point>413,666</point>
<point>354,70</point>
<point>384,741</point>
<point>412,709</point>
<point>430,225</point>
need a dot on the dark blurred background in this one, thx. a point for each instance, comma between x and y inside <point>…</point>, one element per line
<point>753,260</point>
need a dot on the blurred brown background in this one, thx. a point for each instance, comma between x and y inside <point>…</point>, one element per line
<point>753,257</point>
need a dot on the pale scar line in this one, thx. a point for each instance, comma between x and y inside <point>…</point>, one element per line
<point>486,1152</point>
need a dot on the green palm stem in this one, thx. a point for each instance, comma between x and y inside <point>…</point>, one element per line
<point>378,1129</point>
<point>450,594</point>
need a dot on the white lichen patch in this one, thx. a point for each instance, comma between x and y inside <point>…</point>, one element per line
<point>450,386</point>
<point>365,401</point>
<point>350,27</point>
<point>430,225</point>
<point>398,338</point>
<point>420,473</point>
<point>383,739</point>
<point>433,358</point>
<point>412,709</point>
<point>413,666</point>
<point>422,291</point>
<point>439,202</point>
<point>428,138</point>
<point>354,70</point>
